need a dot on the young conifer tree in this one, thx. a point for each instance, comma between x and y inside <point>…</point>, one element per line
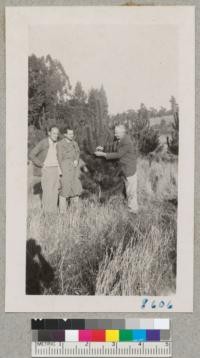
<point>173,142</point>
<point>104,178</point>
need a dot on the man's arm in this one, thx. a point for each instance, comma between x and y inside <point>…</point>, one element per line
<point>117,155</point>
<point>34,153</point>
<point>77,152</point>
<point>59,154</point>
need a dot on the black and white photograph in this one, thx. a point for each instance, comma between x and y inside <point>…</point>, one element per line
<point>104,117</point>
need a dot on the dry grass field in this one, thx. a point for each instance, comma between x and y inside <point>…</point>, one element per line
<point>99,249</point>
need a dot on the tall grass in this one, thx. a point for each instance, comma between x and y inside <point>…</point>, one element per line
<point>101,249</point>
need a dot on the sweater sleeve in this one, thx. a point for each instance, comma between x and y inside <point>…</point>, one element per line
<point>77,151</point>
<point>120,153</point>
<point>34,153</point>
<point>59,154</point>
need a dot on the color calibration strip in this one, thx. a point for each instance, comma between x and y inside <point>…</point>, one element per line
<point>101,338</point>
<point>114,335</point>
<point>106,324</point>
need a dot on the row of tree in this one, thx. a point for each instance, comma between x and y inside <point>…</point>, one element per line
<point>52,99</point>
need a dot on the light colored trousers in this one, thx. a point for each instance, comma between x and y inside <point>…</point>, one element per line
<point>63,203</point>
<point>131,192</point>
<point>50,186</point>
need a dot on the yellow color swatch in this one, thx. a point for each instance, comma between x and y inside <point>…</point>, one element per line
<point>112,335</point>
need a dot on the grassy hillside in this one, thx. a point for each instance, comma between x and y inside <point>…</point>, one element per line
<point>101,249</point>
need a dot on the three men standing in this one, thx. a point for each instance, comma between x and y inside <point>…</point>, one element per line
<point>50,158</point>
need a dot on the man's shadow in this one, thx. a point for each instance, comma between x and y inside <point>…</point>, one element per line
<point>39,273</point>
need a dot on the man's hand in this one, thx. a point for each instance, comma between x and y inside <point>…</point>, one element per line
<point>75,163</point>
<point>85,169</point>
<point>99,148</point>
<point>100,154</point>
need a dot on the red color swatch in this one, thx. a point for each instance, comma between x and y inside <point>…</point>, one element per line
<point>98,335</point>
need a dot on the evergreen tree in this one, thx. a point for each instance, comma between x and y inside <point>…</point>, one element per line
<point>104,103</point>
<point>146,137</point>
<point>103,177</point>
<point>173,143</point>
<point>174,105</point>
<point>79,94</point>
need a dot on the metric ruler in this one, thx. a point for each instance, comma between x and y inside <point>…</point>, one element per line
<point>101,338</point>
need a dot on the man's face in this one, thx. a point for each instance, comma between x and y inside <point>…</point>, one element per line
<point>70,134</point>
<point>53,134</point>
<point>119,133</point>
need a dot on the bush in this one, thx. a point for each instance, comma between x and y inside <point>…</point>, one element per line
<point>34,136</point>
<point>148,141</point>
<point>173,143</point>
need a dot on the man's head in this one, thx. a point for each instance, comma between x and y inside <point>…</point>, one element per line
<point>53,133</point>
<point>120,131</point>
<point>68,133</point>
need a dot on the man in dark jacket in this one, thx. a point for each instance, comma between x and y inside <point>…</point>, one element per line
<point>127,155</point>
<point>44,158</point>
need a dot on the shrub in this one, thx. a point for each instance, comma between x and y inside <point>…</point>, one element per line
<point>148,141</point>
<point>173,143</point>
<point>34,136</point>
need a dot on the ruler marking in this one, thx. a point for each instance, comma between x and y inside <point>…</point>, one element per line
<point>129,350</point>
<point>101,349</point>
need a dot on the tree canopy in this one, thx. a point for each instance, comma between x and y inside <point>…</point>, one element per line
<point>49,85</point>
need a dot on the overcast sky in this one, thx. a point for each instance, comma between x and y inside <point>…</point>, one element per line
<point>134,63</point>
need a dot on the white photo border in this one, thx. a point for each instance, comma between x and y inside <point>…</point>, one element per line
<point>18,20</point>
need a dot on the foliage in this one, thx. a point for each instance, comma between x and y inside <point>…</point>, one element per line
<point>146,137</point>
<point>34,136</point>
<point>173,142</point>
<point>103,177</point>
<point>48,85</point>
<point>148,140</point>
<point>107,251</point>
<point>138,125</point>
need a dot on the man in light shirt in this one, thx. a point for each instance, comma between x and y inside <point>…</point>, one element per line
<point>44,158</point>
